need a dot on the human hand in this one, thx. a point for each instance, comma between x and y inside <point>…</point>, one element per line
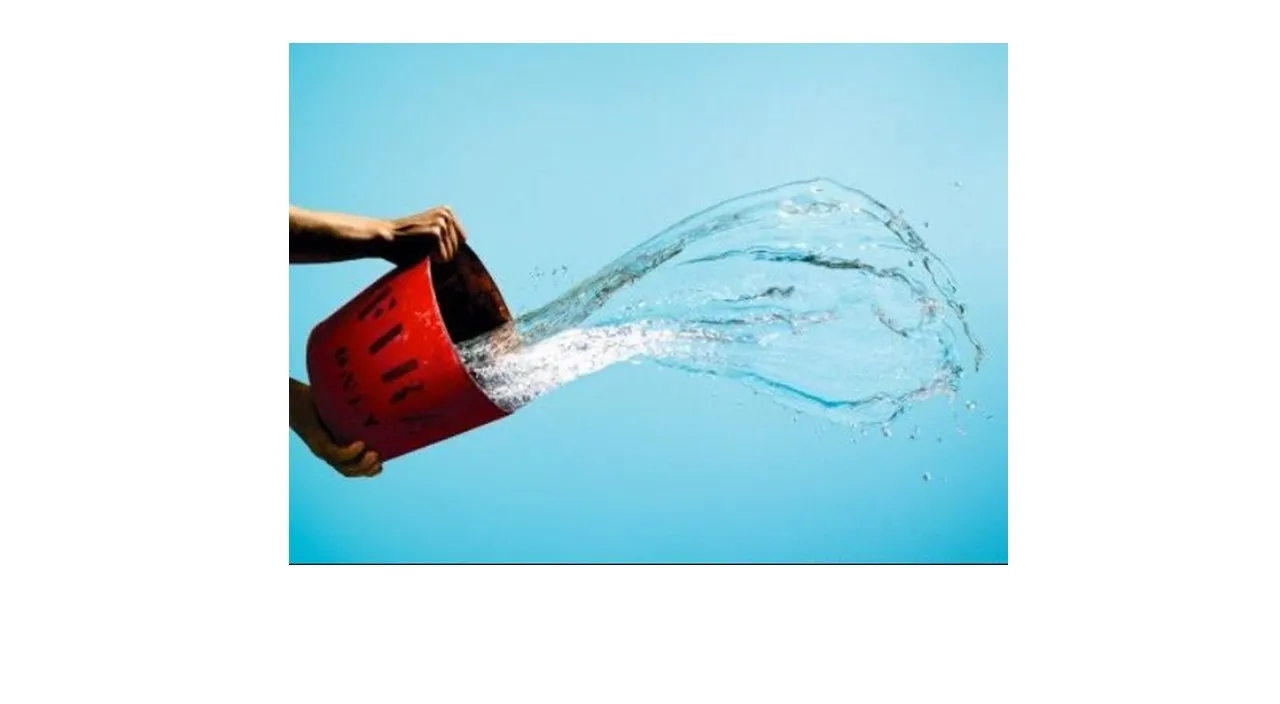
<point>352,460</point>
<point>435,232</point>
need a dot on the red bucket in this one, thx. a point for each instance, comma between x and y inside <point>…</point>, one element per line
<point>383,368</point>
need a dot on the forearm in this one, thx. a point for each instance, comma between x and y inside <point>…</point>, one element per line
<point>316,237</point>
<point>298,393</point>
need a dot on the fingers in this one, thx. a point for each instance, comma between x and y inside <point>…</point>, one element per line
<point>438,228</point>
<point>368,466</point>
<point>343,455</point>
<point>459,235</point>
<point>449,233</point>
<point>352,460</point>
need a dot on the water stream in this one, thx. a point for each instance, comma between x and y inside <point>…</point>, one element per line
<point>814,293</point>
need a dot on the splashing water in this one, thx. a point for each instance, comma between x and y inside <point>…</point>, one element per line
<point>812,292</point>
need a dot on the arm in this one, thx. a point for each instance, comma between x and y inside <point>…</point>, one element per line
<point>316,237</point>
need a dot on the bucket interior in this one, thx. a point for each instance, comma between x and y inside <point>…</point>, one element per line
<point>469,300</point>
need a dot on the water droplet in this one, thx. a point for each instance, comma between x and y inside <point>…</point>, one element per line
<point>958,184</point>
<point>939,438</point>
<point>926,224</point>
<point>911,262</point>
<point>960,431</point>
<point>915,433</point>
<point>990,417</point>
<point>886,431</point>
<point>971,405</point>
<point>862,432</point>
<point>927,477</point>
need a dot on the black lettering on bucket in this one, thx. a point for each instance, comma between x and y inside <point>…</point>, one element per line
<point>400,395</point>
<point>371,305</point>
<point>399,370</point>
<point>386,338</point>
<point>378,313</point>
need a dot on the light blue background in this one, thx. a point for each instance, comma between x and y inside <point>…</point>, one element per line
<point>562,155</point>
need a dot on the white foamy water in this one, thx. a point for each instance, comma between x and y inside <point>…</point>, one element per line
<point>514,375</point>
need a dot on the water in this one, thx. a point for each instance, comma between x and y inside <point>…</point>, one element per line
<point>812,293</point>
